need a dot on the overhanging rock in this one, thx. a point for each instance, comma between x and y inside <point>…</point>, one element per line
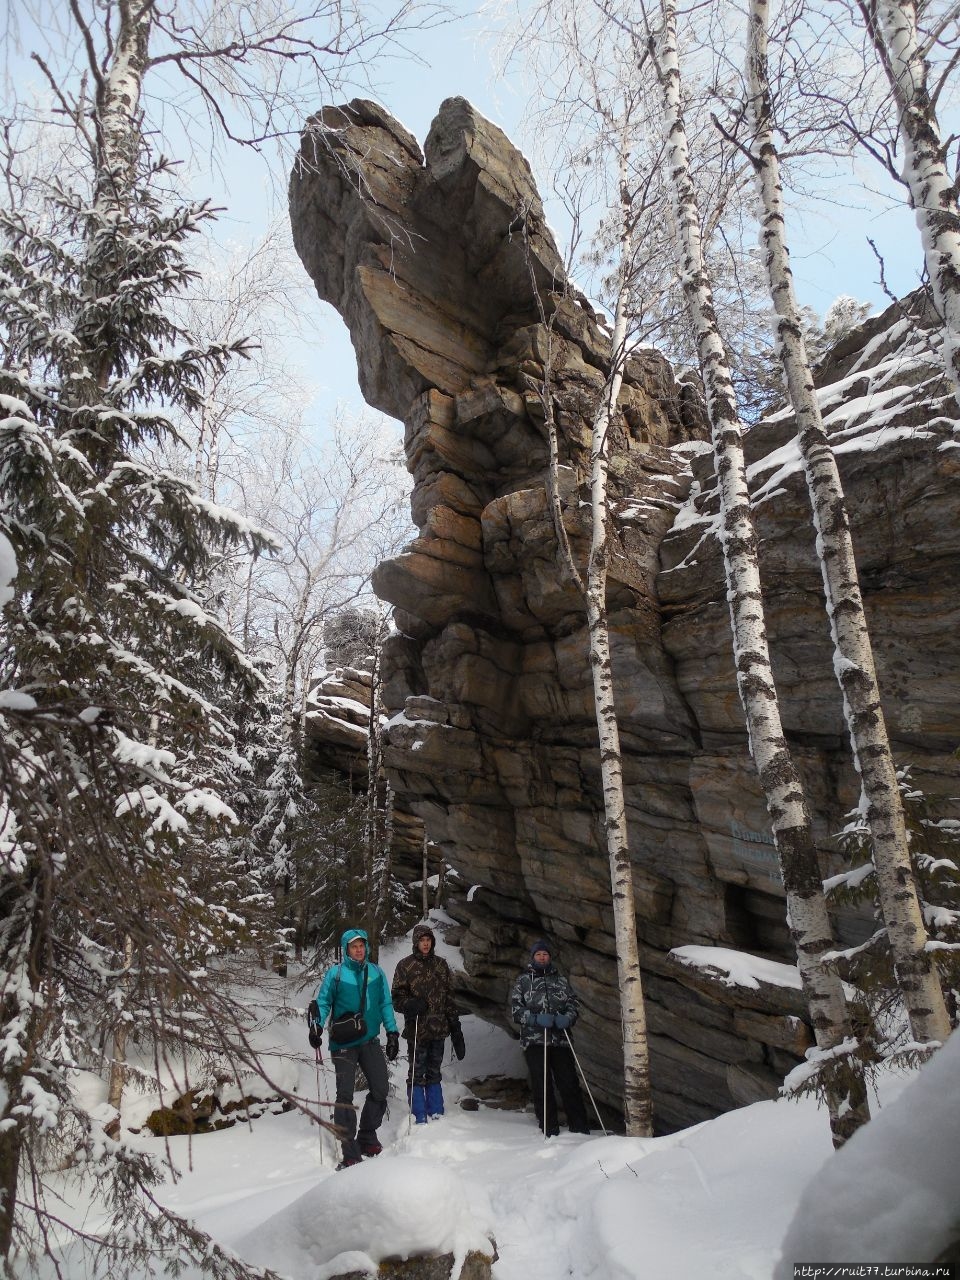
<point>444,270</point>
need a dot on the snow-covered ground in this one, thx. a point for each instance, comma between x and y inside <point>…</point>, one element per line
<point>715,1201</point>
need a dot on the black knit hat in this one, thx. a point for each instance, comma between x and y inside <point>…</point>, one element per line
<point>541,945</point>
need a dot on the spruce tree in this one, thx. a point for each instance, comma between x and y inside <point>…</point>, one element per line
<point>118,683</point>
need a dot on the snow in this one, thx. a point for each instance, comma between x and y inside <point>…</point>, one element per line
<point>892,1192</point>
<point>716,1200</point>
<point>329,701</point>
<point>16,700</point>
<point>8,568</point>
<point>401,1208</point>
<point>738,969</point>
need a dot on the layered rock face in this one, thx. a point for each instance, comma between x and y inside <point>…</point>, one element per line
<point>444,270</point>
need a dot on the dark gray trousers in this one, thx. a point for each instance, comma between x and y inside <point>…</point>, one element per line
<point>429,1060</point>
<point>369,1057</point>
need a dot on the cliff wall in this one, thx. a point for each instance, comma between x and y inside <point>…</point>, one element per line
<point>444,270</point>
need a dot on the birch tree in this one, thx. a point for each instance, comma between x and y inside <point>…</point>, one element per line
<point>853,655</point>
<point>637,1100</point>
<point>806,905</point>
<point>893,27</point>
<point>614,121</point>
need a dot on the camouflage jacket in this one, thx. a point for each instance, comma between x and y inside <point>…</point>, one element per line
<point>542,991</point>
<point>427,978</point>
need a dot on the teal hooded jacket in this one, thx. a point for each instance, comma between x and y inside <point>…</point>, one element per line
<point>340,993</point>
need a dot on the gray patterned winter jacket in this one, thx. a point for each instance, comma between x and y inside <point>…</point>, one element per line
<point>542,991</point>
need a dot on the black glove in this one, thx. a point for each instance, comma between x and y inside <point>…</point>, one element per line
<point>314,1025</point>
<point>393,1045</point>
<point>414,1008</point>
<point>456,1039</point>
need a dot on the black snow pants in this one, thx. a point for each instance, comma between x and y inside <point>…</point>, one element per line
<point>369,1057</point>
<point>562,1072</point>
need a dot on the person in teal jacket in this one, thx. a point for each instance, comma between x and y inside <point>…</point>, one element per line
<point>357,985</point>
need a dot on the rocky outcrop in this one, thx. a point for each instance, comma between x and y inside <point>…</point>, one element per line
<point>444,270</point>
<point>336,731</point>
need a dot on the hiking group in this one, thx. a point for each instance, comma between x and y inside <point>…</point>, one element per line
<point>356,999</point>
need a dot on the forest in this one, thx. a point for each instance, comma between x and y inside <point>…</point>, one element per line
<point>200,582</point>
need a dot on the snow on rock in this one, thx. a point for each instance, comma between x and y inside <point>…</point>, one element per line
<point>399,1208</point>
<point>892,1192</point>
<point>738,968</point>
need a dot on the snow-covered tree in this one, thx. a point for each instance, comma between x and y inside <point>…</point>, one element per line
<point>120,676</point>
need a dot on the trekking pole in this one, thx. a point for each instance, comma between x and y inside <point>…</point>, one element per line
<point>584,1079</point>
<point>544,1108</point>
<point>319,1062</point>
<point>413,1068</point>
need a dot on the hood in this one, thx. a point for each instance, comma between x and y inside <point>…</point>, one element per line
<point>347,936</point>
<point>423,931</point>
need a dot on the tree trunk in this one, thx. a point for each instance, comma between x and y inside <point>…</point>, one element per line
<point>790,821</point>
<point>425,901</point>
<point>853,654</point>
<point>26,991</point>
<point>117,116</point>
<point>893,28</point>
<point>441,875</point>
<point>118,1063</point>
<point>638,1115</point>
<point>11,1147</point>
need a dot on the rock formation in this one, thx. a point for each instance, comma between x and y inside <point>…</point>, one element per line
<point>443,268</point>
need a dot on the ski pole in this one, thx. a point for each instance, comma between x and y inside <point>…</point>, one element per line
<point>544,1084</point>
<point>584,1079</point>
<point>318,1106</point>
<point>413,1071</point>
<point>321,1067</point>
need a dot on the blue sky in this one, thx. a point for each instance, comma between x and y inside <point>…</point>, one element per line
<point>829,246</point>
<point>829,241</point>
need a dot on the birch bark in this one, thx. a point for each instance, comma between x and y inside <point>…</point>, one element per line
<point>638,1115</point>
<point>853,654</point>
<point>790,821</point>
<point>893,28</point>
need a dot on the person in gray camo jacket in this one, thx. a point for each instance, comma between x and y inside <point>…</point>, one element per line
<point>545,1007</point>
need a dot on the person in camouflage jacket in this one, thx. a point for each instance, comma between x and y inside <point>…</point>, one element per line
<point>545,1007</point>
<point>422,991</point>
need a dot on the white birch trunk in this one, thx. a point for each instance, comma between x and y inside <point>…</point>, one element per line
<point>853,654</point>
<point>933,192</point>
<point>638,1116</point>
<point>790,821</point>
<point>118,110</point>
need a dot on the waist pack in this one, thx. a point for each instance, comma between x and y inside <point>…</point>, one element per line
<point>349,1026</point>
